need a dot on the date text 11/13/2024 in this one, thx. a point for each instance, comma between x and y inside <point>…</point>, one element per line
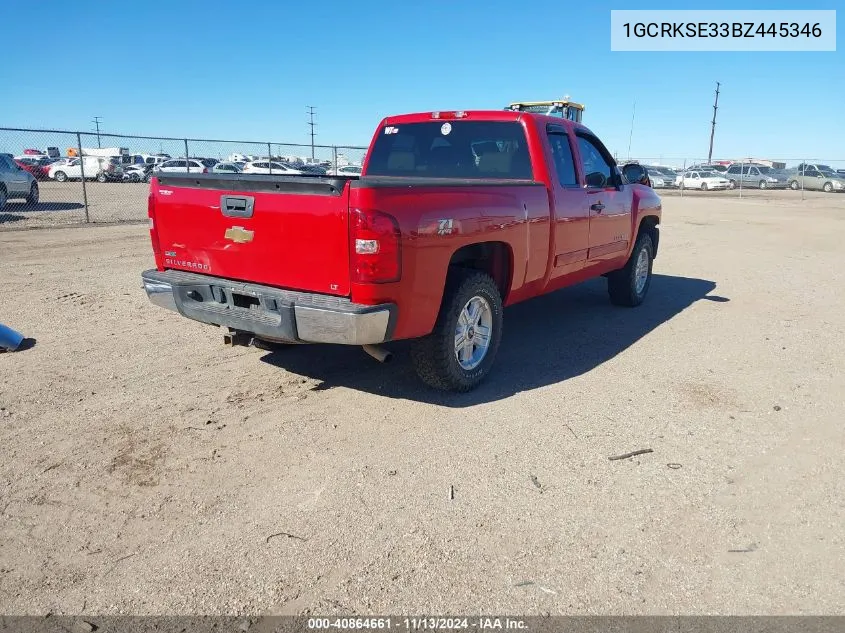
<point>417,624</point>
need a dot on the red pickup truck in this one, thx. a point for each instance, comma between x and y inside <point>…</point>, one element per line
<point>455,215</point>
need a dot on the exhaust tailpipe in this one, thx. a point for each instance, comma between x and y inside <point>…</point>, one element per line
<point>379,353</point>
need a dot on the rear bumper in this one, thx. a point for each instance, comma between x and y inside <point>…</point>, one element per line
<point>270,313</point>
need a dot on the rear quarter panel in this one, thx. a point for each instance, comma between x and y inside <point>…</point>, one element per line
<point>436,221</point>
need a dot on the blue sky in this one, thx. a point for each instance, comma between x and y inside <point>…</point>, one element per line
<point>247,70</point>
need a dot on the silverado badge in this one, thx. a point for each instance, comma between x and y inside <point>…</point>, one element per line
<point>239,235</point>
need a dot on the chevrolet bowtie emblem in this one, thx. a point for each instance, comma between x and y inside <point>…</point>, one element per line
<point>239,235</point>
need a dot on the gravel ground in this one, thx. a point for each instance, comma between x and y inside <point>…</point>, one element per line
<point>147,469</point>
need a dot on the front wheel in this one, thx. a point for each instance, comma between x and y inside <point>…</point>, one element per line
<point>60,176</point>
<point>793,185</point>
<point>732,184</point>
<point>704,186</point>
<point>460,351</point>
<point>828,187</point>
<point>32,198</point>
<point>763,184</point>
<point>628,286</point>
<point>101,177</point>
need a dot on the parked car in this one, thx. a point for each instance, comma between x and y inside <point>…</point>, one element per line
<point>35,165</point>
<point>312,169</point>
<point>268,167</point>
<point>703,180</point>
<point>757,176</point>
<point>348,170</point>
<point>136,173</point>
<point>716,167</point>
<point>803,167</point>
<point>227,168</point>
<point>16,182</point>
<point>181,165</point>
<point>148,159</point>
<point>817,180</point>
<point>405,253</point>
<point>100,168</point>
<point>668,175</point>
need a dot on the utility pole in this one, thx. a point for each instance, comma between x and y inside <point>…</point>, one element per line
<point>312,125</point>
<point>713,124</point>
<point>96,122</point>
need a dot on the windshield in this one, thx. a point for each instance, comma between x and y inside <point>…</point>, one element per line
<point>709,174</point>
<point>830,173</point>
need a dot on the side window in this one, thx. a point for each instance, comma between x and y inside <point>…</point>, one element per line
<point>563,159</point>
<point>754,171</point>
<point>598,172</point>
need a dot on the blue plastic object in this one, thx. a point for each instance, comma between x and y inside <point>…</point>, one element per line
<point>9,339</point>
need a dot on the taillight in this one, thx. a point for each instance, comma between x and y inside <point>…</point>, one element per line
<point>375,247</point>
<point>151,212</point>
<point>205,170</point>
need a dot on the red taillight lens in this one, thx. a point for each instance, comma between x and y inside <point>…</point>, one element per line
<point>151,212</point>
<point>375,247</point>
<point>205,170</point>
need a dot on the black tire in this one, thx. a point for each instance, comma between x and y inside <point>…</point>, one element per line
<point>3,198</point>
<point>60,176</point>
<point>32,198</point>
<point>828,187</point>
<point>794,185</point>
<point>101,177</point>
<point>434,356</point>
<point>704,186</point>
<point>732,184</point>
<point>622,283</point>
<point>763,184</point>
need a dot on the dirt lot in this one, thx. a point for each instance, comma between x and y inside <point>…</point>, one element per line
<point>148,469</point>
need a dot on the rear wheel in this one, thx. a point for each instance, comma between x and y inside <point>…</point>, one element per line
<point>794,185</point>
<point>101,177</point>
<point>60,176</point>
<point>704,186</point>
<point>732,184</point>
<point>460,351</point>
<point>629,286</point>
<point>763,184</point>
<point>32,198</point>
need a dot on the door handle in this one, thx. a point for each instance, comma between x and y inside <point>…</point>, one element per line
<point>598,207</point>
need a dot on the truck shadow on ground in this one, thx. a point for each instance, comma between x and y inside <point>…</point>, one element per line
<point>546,340</point>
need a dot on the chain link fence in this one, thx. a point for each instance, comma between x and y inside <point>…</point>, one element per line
<point>59,177</point>
<point>83,177</point>
<point>788,178</point>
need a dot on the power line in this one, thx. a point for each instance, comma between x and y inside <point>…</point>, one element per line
<point>96,122</point>
<point>312,125</point>
<point>713,124</point>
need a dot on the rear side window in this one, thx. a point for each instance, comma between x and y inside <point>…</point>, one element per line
<point>562,155</point>
<point>452,149</point>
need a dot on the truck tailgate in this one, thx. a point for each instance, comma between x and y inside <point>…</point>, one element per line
<point>285,231</point>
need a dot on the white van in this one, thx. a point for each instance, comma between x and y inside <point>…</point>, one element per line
<point>100,168</point>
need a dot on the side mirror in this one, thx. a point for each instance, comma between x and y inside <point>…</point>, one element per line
<point>595,180</point>
<point>635,173</point>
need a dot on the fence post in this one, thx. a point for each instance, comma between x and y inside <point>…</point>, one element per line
<point>270,157</point>
<point>803,169</point>
<point>187,169</point>
<point>334,158</point>
<point>82,173</point>
<point>683,172</point>
<point>741,175</point>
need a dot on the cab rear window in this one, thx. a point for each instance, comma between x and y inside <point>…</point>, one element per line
<point>452,149</point>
